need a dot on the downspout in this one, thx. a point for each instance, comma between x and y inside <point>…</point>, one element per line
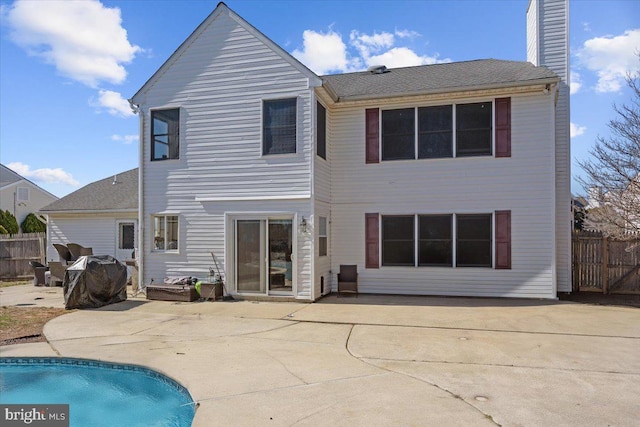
<point>141,247</point>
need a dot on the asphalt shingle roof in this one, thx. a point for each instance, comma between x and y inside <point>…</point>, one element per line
<point>7,176</point>
<point>436,78</point>
<point>101,195</point>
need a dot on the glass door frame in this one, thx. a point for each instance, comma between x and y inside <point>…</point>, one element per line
<point>231,220</point>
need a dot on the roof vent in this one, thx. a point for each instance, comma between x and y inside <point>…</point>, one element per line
<point>378,69</point>
<point>115,180</point>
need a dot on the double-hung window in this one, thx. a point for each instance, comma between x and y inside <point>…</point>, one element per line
<point>473,240</point>
<point>279,130</point>
<point>322,236</point>
<point>473,129</point>
<point>165,134</point>
<point>398,242</point>
<point>437,132</point>
<point>165,232</point>
<point>435,244</point>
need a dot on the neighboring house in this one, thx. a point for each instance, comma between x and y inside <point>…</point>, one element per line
<point>447,179</point>
<point>20,196</point>
<point>102,215</point>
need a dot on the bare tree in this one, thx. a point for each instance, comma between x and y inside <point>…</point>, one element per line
<point>612,174</point>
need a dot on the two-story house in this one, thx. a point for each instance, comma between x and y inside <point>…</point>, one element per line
<point>447,179</point>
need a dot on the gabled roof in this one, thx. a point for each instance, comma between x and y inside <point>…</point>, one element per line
<point>436,78</point>
<point>114,194</point>
<point>9,177</point>
<point>220,9</point>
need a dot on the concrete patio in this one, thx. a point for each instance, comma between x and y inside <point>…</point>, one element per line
<point>372,360</point>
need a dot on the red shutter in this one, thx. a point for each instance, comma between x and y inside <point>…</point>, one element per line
<point>503,127</point>
<point>372,116</point>
<point>372,236</point>
<point>503,240</point>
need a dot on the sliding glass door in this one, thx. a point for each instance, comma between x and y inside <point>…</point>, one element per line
<point>264,256</point>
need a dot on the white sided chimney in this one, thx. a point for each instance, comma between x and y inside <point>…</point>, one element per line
<point>548,45</point>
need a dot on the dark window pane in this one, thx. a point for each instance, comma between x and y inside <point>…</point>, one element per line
<point>397,253</point>
<point>435,245</point>
<point>321,131</point>
<point>397,227</point>
<point>474,254</point>
<point>434,227</point>
<point>431,119</point>
<point>279,126</point>
<point>435,136</point>
<point>398,134</point>
<point>473,129</point>
<point>398,246</point>
<point>435,145</point>
<point>473,116</point>
<point>473,240</point>
<point>165,134</point>
<point>435,252</point>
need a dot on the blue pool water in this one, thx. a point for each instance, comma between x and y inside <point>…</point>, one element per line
<point>98,393</point>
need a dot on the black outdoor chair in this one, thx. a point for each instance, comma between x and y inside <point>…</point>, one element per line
<point>348,279</point>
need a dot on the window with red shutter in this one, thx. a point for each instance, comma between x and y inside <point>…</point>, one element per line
<point>372,117</point>
<point>503,127</point>
<point>503,240</point>
<point>372,237</point>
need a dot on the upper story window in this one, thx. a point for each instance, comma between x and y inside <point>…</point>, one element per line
<point>467,127</point>
<point>279,117</point>
<point>165,134</point>
<point>473,129</point>
<point>321,131</point>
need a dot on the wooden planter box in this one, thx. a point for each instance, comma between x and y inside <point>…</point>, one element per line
<point>211,291</point>
<point>172,292</point>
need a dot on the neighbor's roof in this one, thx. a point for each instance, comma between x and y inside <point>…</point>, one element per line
<point>8,177</point>
<point>436,78</point>
<point>116,193</point>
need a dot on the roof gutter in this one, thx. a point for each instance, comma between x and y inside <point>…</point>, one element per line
<point>448,90</point>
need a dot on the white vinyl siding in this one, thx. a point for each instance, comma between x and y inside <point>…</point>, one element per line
<point>548,45</point>
<point>96,231</point>
<point>219,83</point>
<point>522,183</point>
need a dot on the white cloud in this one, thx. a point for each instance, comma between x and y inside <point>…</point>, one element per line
<point>576,130</point>
<point>402,57</point>
<point>43,175</point>
<point>83,39</point>
<point>125,139</point>
<point>113,102</point>
<point>575,82</point>
<point>327,52</point>
<point>323,52</point>
<point>611,57</point>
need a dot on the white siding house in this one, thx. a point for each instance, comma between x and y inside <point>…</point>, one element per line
<point>102,215</point>
<point>20,196</point>
<point>442,179</point>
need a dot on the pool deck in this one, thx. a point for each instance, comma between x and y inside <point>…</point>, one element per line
<point>371,360</point>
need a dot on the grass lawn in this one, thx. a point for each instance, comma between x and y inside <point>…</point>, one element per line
<point>24,324</point>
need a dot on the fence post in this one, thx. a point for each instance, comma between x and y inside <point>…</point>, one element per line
<point>605,265</point>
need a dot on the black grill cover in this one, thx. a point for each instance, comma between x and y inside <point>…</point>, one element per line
<point>95,281</point>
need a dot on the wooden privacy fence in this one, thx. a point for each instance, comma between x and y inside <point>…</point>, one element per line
<point>16,250</point>
<point>605,265</point>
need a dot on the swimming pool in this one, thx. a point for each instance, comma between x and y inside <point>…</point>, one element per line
<point>98,393</point>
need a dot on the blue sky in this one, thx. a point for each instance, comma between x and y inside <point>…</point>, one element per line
<point>67,68</point>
